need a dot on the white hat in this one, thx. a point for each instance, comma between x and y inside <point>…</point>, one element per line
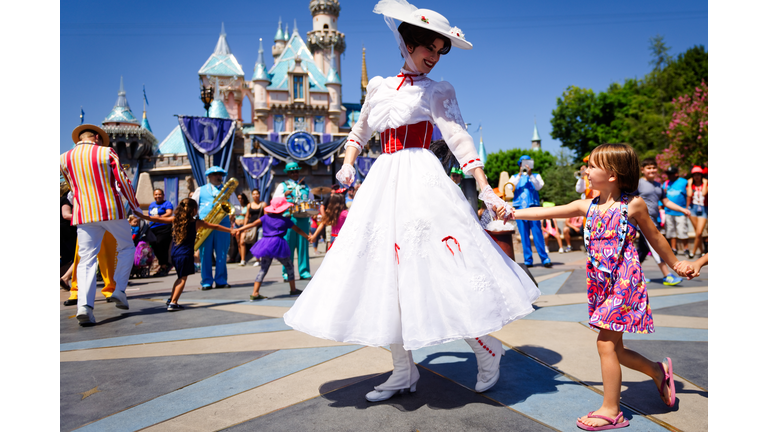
<point>403,11</point>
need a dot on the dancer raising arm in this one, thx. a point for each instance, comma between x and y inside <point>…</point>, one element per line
<point>616,291</point>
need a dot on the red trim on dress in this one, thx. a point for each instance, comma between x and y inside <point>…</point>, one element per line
<point>417,135</point>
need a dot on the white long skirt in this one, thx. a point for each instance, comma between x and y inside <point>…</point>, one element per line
<point>395,274</point>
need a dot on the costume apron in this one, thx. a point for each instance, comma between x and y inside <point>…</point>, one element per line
<point>295,193</point>
<point>217,243</point>
<point>527,196</point>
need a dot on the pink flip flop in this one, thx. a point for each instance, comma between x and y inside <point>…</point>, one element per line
<point>613,423</point>
<point>669,382</point>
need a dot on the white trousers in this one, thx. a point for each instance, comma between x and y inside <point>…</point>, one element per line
<point>89,237</point>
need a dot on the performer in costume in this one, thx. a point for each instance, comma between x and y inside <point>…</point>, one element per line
<point>411,267</point>
<point>98,181</point>
<point>217,243</point>
<point>295,192</point>
<point>527,186</point>
<point>107,260</point>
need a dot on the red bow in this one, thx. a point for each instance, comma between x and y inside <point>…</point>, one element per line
<point>454,240</point>
<point>397,248</point>
<point>406,76</point>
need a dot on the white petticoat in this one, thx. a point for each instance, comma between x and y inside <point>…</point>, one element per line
<point>370,292</point>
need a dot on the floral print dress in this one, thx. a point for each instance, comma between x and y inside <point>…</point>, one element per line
<point>616,290</point>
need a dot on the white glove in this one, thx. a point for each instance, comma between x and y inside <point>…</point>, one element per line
<point>346,175</point>
<point>492,200</point>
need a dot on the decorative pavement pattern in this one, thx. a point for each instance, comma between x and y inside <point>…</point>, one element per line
<point>225,363</point>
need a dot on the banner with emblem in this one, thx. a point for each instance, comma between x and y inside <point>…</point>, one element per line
<point>258,173</point>
<point>209,141</point>
<point>364,165</point>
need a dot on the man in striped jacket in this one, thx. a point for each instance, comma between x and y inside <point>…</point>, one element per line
<point>99,185</point>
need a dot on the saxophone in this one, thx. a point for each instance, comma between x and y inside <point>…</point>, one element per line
<point>221,209</point>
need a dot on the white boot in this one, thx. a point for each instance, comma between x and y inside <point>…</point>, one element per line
<point>404,376</point>
<point>488,351</point>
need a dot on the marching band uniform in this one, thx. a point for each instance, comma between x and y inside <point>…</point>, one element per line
<point>217,242</point>
<point>99,185</point>
<point>411,266</point>
<point>527,195</point>
<point>294,193</point>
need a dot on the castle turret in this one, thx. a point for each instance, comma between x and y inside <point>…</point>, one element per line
<point>535,141</point>
<point>279,45</point>
<point>325,34</point>
<point>223,72</point>
<point>259,83</point>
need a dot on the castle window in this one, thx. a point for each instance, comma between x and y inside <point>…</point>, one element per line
<point>325,26</point>
<point>278,123</point>
<point>319,124</point>
<point>298,87</point>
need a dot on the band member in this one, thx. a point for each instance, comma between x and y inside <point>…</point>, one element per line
<point>217,243</point>
<point>99,185</point>
<point>527,186</point>
<point>295,192</point>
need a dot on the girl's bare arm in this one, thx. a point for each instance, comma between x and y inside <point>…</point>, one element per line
<point>576,208</point>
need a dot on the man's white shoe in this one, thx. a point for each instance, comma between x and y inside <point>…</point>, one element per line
<point>121,301</point>
<point>85,316</point>
<point>242,262</point>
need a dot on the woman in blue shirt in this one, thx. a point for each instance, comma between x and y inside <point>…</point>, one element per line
<point>163,232</point>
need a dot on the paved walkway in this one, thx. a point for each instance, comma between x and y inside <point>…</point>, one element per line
<point>226,363</point>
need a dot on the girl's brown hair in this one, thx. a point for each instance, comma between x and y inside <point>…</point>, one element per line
<point>622,160</point>
<point>184,213</point>
<point>335,206</point>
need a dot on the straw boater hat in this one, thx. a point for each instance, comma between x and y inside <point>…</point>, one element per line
<point>401,10</point>
<point>277,205</point>
<point>85,127</point>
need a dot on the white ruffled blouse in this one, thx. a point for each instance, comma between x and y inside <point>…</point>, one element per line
<point>386,107</point>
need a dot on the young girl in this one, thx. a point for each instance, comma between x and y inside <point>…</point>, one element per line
<point>335,215</point>
<point>185,226</point>
<point>412,267</point>
<point>549,227</point>
<point>697,200</point>
<point>618,300</point>
<point>273,245</point>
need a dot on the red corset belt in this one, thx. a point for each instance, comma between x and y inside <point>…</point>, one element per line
<point>417,135</point>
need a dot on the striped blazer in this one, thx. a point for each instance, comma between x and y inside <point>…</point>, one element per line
<point>97,181</point>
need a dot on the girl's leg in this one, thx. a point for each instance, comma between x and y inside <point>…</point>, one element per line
<point>638,362</point>
<point>559,241</point>
<point>288,265</point>
<point>608,344</point>
<point>68,275</point>
<point>698,226</point>
<point>178,288</point>
<point>241,247</point>
<point>263,268</point>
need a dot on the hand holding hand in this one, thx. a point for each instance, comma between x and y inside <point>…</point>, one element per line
<point>346,175</point>
<point>492,202</point>
<point>686,212</point>
<point>684,269</point>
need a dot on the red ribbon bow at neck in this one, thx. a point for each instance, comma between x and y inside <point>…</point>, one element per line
<point>405,77</point>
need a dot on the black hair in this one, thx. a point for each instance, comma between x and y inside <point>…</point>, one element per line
<point>419,36</point>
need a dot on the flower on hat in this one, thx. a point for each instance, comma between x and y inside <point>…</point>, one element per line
<point>426,20</point>
<point>457,31</point>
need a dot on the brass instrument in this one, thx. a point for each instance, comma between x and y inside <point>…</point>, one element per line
<point>221,209</point>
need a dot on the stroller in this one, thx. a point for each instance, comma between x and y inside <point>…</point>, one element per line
<point>144,255</point>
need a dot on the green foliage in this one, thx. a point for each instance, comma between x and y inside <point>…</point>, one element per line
<point>507,161</point>
<point>637,112</point>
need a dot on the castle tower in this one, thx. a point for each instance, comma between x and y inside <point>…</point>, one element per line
<point>535,141</point>
<point>325,35</point>
<point>481,150</point>
<point>333,84</point>
<point>279,45</point>
<point>121,113</point>
<point>364,81</point>
<point>223,72</point>
<point>259,83</point>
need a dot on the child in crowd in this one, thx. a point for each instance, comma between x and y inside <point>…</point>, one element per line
<point>335,215</point>
<point>550,229</point>
<point>618,300</point>
<point>651,192</point>
<point>272,244</point>
<point>185,226</point>
<point>574,227</point>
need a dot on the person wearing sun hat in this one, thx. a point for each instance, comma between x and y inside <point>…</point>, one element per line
<point>527,186</point>
<point>100,188</point>
<point>412,267</point>
<point>295,191</point>
<point>272,244</point>
<point>217,243</point>
<point>697,194</point>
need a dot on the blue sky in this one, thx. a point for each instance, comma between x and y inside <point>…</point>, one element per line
<point>525,55</point>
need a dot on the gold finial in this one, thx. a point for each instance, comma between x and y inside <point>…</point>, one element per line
<point>364,79</point>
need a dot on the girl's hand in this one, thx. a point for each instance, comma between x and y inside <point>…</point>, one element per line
<point>684,269</point>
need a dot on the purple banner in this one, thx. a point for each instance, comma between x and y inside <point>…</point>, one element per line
<point>364,164</point>
<point>208,135</point>
<point>256,166</point>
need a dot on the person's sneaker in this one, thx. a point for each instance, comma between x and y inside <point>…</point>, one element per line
<point>546,249</point>
<point>85,316</point>
<point>120,300</point>
<point>70,302</point>
<point>548,264</point>
<point>167,302</point>
<point>172,307</point>
<point>256,264</point>
<point>646,279</point>
<point>674,251</point>
<point>670,279</point>
<point>689,253</point>
<point>205,287</point>
<point>560,250</point>
<point>568,249</point>
<point>217,286</point>
<point>242,262</point>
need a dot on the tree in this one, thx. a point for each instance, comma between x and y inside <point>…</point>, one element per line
<point>559,181</point>
<point>507,161</point>
<point>688,130</point>
<point>659,52</point>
